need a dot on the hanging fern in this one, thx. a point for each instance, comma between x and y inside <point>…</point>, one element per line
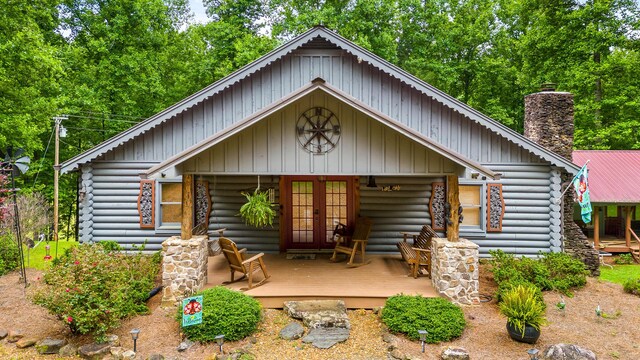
<point>258,210</point>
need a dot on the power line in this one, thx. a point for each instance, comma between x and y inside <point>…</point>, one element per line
<point>103,119</point>
<point>35,181</point>
<point>90,129</point>
<point>112,115</point>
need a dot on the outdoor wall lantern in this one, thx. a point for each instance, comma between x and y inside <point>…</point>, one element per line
<point>134,335</point>
<point>423,337</point>
<point>220,341</point>
<point>533,354</point>
<point>372,182</point>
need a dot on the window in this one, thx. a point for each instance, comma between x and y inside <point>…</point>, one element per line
<point>170,207</point>
<point>472,202</point>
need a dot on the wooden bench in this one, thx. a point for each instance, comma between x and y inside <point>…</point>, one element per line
<point>418,254</point>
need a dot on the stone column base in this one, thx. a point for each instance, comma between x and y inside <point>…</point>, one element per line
<point>454,270</point>
<point>184,268</point>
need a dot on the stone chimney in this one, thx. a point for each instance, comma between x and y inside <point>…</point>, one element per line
<point>548,120</point>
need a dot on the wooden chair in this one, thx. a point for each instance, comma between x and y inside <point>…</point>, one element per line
<point>238,262</point>
<point>418,255</point>
<point>354,243</point>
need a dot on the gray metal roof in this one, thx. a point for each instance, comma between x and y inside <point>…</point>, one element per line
<point>319,37</point>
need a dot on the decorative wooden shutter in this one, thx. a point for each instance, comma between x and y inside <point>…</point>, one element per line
<point>202,206</point>
<point>437,204</point>
<point>495,207</point>
<point>146,204</point>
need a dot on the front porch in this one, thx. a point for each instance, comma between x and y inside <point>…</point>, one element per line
<point>361,287</point>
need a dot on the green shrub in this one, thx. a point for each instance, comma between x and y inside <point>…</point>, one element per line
<point>521,307</point>
<point>9,255</point>
<point>506,286</point>
<point>624,259</point>
<point>553,271</point>
<point>91,287</point>
<point>632,286</point>
<point>408,314</point>
<point>224,312</point>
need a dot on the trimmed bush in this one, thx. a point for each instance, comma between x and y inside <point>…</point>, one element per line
<point>553,271</point>
<point>632,286</point>
<point>624,259</point>
<point>9,255</point>
<point>408,314</point>
<point>224,312</point>
<point>92,287</point>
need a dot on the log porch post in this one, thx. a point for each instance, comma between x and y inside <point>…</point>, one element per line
<point>187,207</point>
<point>596,228</point>
<point>627,226</point>
<point>453,198</point>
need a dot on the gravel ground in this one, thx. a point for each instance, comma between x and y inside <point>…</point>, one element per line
<point>485,336</point>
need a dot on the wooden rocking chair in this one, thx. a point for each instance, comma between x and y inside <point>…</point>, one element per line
<point>238,262</point>
<point>352,244</point>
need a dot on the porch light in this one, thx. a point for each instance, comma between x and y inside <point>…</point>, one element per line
<point>220,341</point>
<point>533,354</point>
<point>372,182</point>
<point>134,335</point>
<point>423,337</point>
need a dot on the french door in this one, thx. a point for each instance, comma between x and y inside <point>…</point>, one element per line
<point>313,206</point>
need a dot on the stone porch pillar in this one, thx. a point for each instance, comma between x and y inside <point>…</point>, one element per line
<point>184,268</point>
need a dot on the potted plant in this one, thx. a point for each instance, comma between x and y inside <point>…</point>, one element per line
<point>524,312</point>
<point>258,210</point>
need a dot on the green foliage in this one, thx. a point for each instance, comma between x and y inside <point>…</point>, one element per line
<point>620,273</point>
<point>9,255</point>
<point>258,210</point>
<point>632,286</point>
<point>408,314</point>
<point>227,312</point>
<point>624,259</point>
<point>521,307</point>
<point>91,289</point>
<point>509,285</point>
<point>553,271</point>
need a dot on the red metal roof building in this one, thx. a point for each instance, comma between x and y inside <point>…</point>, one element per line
<point>614,187</point>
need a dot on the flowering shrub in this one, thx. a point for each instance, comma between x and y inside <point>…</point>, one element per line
<point>92,287</point>
<point>9,255</point>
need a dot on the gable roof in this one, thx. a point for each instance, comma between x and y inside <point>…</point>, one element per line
<point>613,174</point>
<point>315,36</point>
<point>315,85</point>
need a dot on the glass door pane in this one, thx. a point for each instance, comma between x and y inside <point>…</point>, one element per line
<point>335,206</point>
<point>302,211</point>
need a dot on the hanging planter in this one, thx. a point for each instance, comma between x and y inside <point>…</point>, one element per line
<point>258,210</point>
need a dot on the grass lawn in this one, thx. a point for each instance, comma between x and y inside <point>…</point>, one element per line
<point>619,273</point>
<point>36,255</point>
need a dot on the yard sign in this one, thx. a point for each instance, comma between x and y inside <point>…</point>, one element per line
<point>192,311</point>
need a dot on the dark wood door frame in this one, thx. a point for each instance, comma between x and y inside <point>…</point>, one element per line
<point>286,216</point>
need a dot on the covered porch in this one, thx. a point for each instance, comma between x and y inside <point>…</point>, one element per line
<point>615,229</point>
<point>303,279</point>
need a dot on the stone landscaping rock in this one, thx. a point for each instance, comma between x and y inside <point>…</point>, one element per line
<point>454,354</point>
<point>14,336</point>
<point>319,313</point>
<point>116,352</point>
<point>3,334</point>
<point>113,340</point>
<point>324,338</point>
<point>50,346</point>
<point>185,345</point>
<point>25,343</point>
<point>567,352</point>
<point>155,357</point>
<point>94,351</point>
<point>292,331</point>
<point>68,350</point>
<point>128,355</point>
<point>397,354</point>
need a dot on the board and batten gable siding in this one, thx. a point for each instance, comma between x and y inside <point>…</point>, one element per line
<point>366,147</point>
<point>360,80</point>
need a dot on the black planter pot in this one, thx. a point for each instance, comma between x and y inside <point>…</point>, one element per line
<point>531,335</point>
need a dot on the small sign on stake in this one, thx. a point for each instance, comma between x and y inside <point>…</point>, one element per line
<point>192,311</point>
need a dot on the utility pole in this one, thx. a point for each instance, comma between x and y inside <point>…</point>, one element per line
<point>56,174</point>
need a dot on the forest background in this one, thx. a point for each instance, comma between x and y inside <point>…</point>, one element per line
<point>108,64</point>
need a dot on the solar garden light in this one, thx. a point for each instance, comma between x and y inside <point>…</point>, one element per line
<point>134,335</point>
<point>220,341</point>
<point>423,337</point>
<point>532,354</point>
